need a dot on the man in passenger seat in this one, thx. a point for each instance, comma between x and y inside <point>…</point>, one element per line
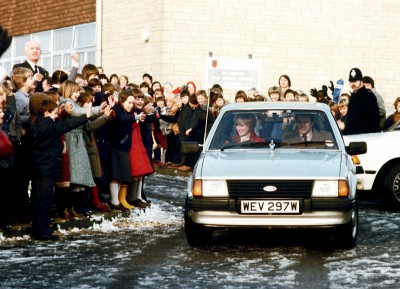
<point>306,135</point>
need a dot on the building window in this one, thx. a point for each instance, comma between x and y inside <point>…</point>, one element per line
<point>57,46</point>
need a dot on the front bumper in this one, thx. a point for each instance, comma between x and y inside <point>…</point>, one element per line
<point>220,212</point>
<point>311,219</point>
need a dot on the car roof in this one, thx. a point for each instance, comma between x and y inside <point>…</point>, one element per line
<point>276,105</point>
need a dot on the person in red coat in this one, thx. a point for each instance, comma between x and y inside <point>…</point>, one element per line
<point>244,125</point>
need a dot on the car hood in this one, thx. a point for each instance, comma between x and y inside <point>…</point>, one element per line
<point>282,164</point>
<point>381,148</point>
<point>390,139</point>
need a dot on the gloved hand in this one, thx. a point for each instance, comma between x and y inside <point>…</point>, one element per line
<point>324,90</point>
<point>314,92</point>
<point>332,87</point>
<point>5,40</point>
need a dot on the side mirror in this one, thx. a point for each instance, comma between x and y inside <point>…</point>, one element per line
<point>190,147</point>
<point>356,148</point>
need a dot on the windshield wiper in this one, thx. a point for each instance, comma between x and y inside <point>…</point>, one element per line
<point>327,143</point>
<point>245,145</point>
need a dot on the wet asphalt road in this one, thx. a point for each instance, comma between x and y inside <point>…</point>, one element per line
<point>149,250</point>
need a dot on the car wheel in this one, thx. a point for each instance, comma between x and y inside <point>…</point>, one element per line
<point>392,186</point>
<point>197,235</point>
<point>347,234</point>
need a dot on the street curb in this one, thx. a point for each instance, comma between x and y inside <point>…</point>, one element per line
<point>172,171</point>
<point>21,230</point>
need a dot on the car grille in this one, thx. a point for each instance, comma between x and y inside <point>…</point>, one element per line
<point>254,188</point>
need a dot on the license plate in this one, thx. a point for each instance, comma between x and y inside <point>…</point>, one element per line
<point>270,207</point>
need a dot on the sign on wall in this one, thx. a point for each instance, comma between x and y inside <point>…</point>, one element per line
<point>233,73</point>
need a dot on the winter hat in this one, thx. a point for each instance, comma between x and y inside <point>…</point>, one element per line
<point>355,74</point>
<point>168,83</point>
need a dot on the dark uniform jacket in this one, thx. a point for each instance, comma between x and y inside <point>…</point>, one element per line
<point>363,113</point>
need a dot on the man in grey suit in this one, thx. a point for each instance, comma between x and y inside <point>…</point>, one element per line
<point>33,51</point>
<point>306,135</point>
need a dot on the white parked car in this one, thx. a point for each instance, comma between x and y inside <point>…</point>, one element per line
<point>379,168</point>
<point>274,165</point>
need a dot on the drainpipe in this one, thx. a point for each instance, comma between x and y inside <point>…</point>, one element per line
<point>99,24</point>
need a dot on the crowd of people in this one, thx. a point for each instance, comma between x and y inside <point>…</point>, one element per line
<point>84,141</point>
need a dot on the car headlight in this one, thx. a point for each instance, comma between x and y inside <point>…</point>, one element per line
<point>210,188</point>
<point>325,189</point>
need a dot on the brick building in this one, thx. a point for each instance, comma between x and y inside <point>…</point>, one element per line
<point>313,42</point>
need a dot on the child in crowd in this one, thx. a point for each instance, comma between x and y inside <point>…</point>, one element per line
<point>274,93</point>
<point>79,80</point>
<point>62,195</point>
<point>89,71</point>
<point>168,90</point>
<point>220,102</point>
<point>393,118</point>
<point>46,152</point>
<point>123,81</point>
<point>85,100</point>
<point>334,109</point>
<point>173,155</point>
<point>6,211</point>
<point>304,97</point>
<point>289,95</point>
<point>120,145</point>
<point>241,96</point>
<point>114,79</point>
<point>22,82</point>
<point>343,107</point>
<point>145,88</point>
<point>159,142</point>
<point>103,78</point>
<point>202,98</point>
<point>184,96</point>
<point>195,126</point>
<point>204,104</point>
<point>141,150</point>
<point>96,84</point>
<point>156,85</point>
<point>258,97</point>
<point>345,97</point>
<point>161,128</point>
<point>81,176</point>
<point>252,93</point>
<point>11,122</point>
<point>284,84</point>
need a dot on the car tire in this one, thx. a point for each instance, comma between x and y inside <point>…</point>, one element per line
<point>347,234</point>
<point>196,235</point>
<point>392,187</point>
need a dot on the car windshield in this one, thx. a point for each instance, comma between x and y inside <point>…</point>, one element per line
<point>309,129</point>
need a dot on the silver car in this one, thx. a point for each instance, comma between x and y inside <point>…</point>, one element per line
<point>274,165</point>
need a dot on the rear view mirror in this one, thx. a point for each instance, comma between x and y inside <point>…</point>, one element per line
<point>356,148</point>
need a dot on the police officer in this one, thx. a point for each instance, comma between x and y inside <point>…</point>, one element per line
<point>363,111</point>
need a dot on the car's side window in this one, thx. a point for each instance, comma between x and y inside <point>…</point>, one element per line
<point>224,131</point>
